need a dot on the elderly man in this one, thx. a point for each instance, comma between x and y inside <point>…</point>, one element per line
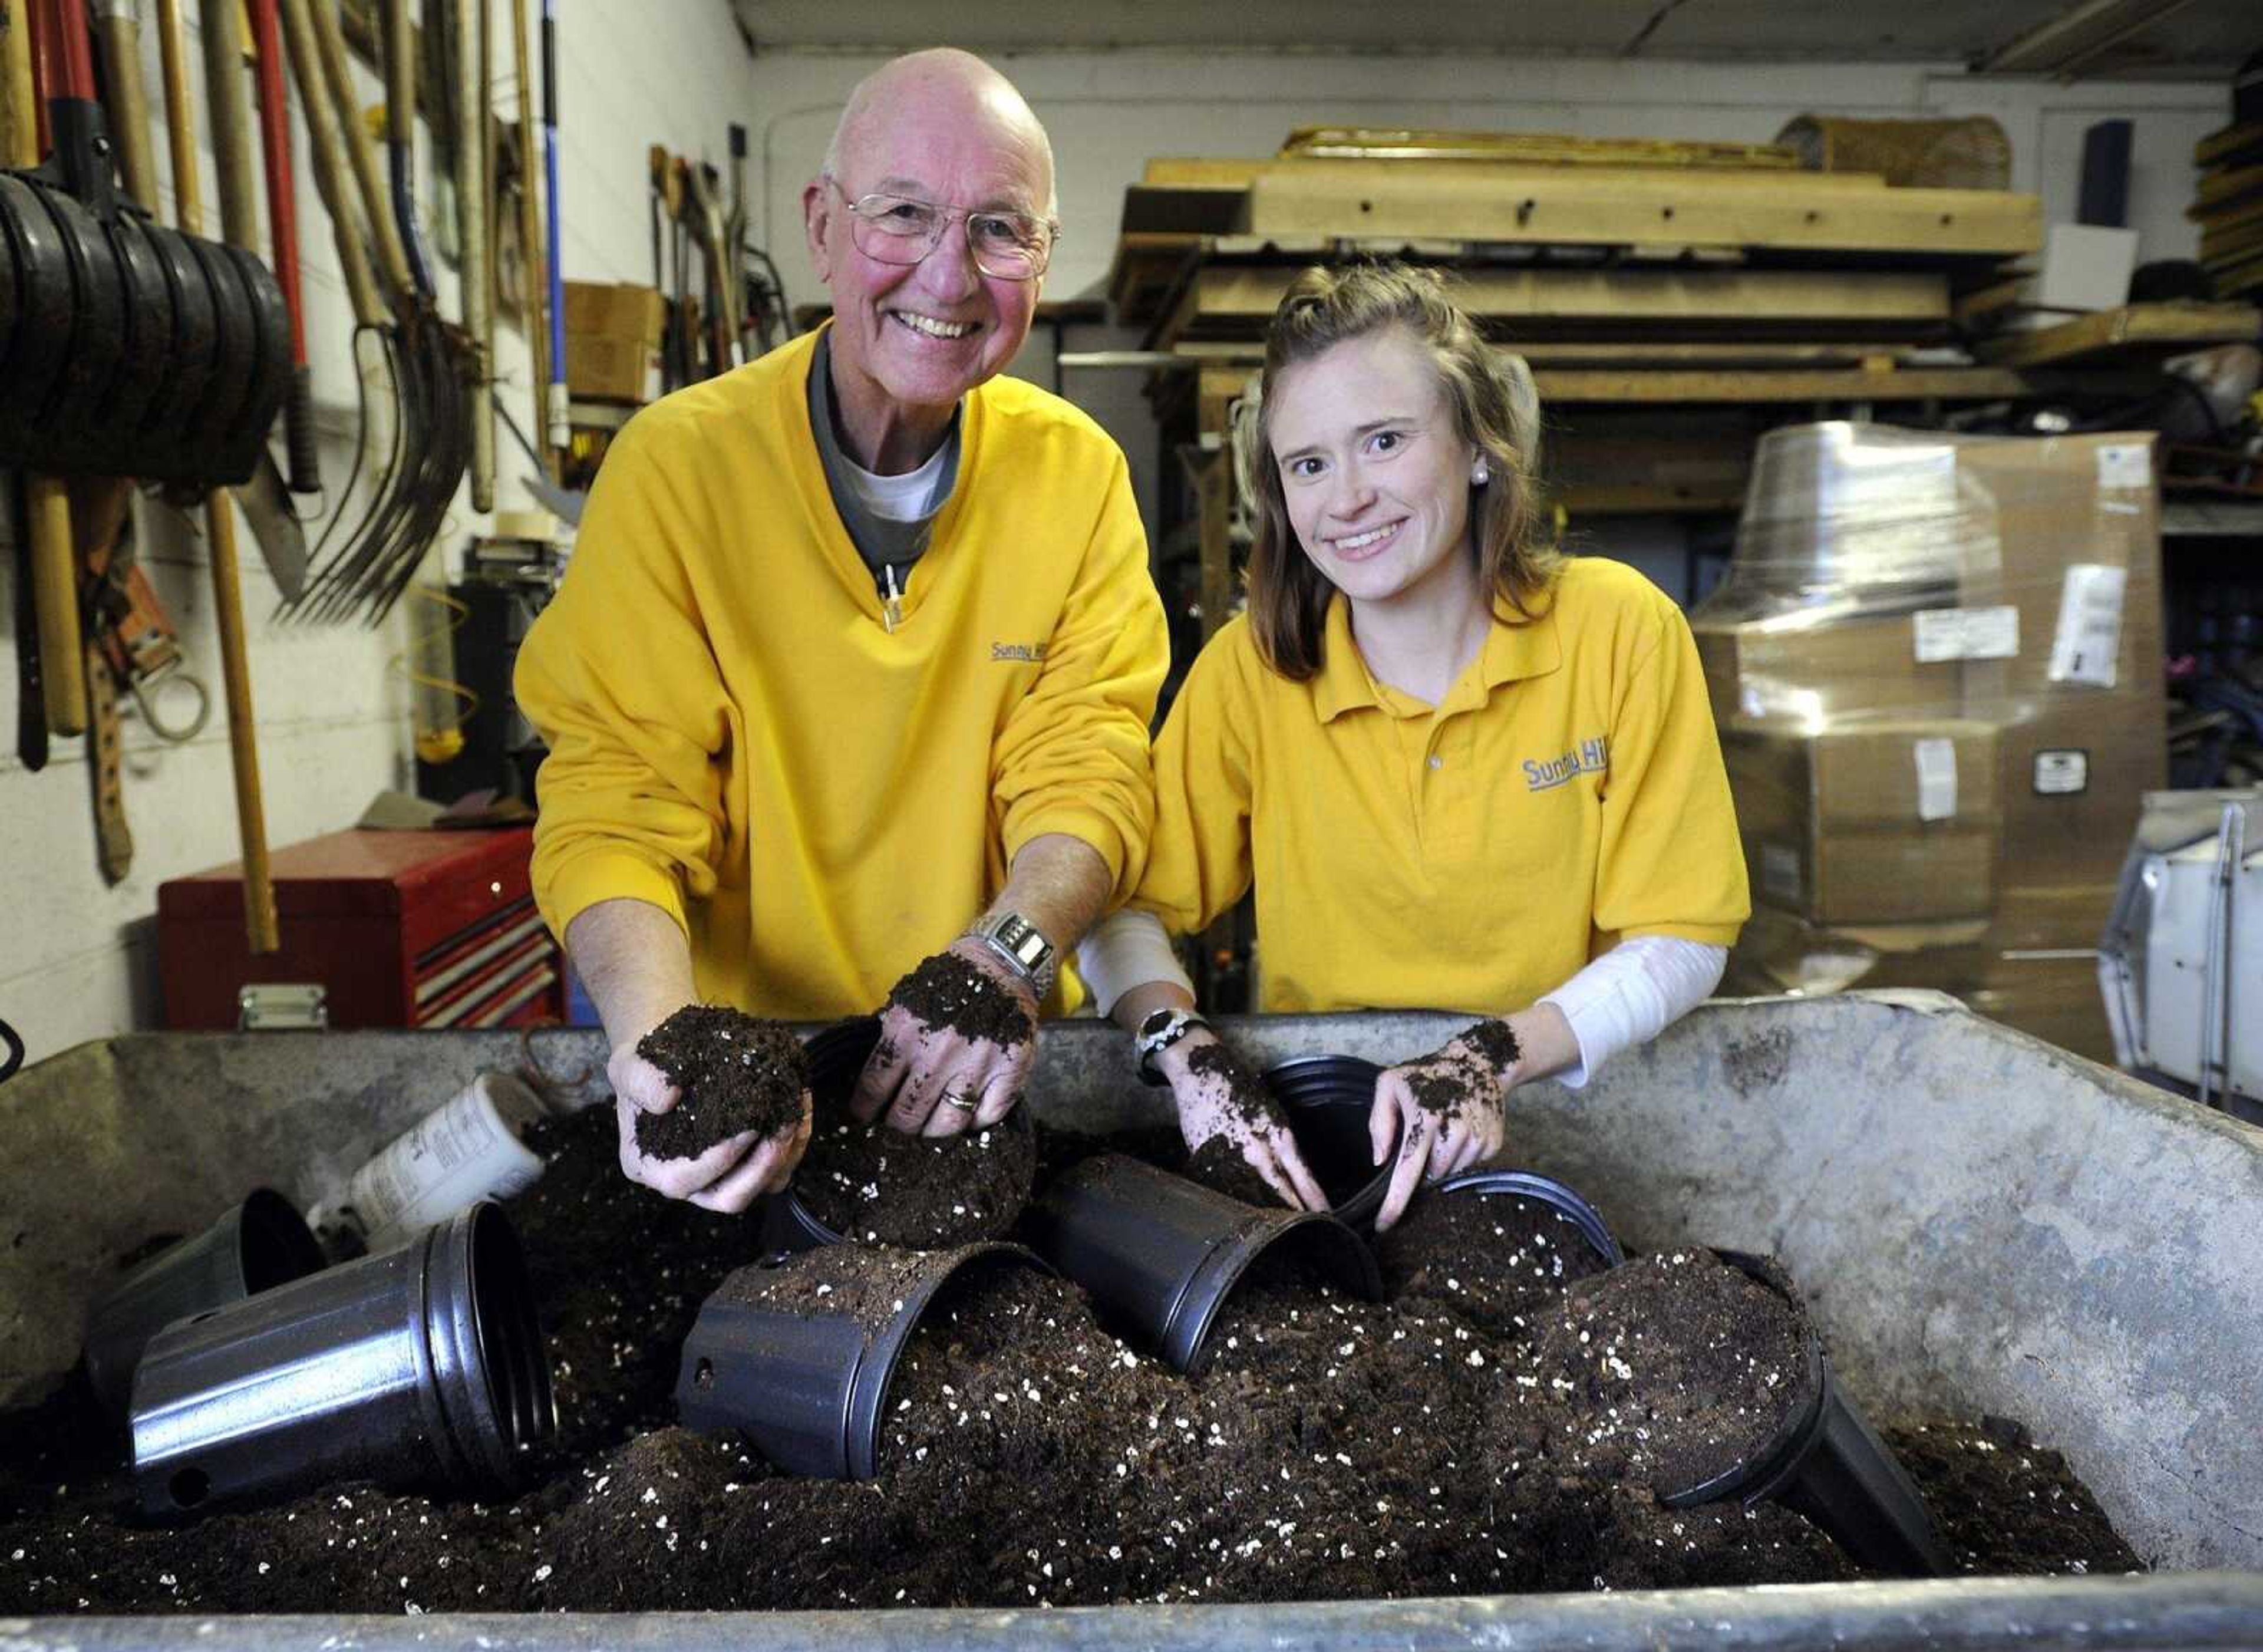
<point>857,656</point>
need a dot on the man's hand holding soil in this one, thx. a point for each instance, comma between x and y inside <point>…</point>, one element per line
<point>958,1034</point>
<point>957,1039</point>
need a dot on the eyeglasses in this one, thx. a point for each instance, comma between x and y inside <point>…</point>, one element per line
<point>897,229</point>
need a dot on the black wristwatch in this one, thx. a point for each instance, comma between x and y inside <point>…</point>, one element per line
<point>1157,1033</point>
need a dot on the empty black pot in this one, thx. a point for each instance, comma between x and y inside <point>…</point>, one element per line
<point>809,1384</point>
<point>1167,1253</point>
<point>1327,1100</point>
<point>1827,1462</point>
<point>836,1056</point>
<point>420,1366</point>
<point>261,1244</point>
<point>1544,1189</point>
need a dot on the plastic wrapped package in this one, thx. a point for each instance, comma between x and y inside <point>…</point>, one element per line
<point>1936,667</point>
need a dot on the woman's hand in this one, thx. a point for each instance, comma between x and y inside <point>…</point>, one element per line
<point>1446,1110</point>
<point>1218,1095</point>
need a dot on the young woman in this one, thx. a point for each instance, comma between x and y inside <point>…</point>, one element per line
<point>1463,771</point>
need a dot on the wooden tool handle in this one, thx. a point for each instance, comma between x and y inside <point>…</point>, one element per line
<point>330,177</point>
<point>119,24</point>
<point>361,150</point>
<point>47,507</point>
<point>231,124</point>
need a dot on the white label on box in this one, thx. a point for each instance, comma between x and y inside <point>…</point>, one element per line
<point>2126,465</point>
<point>1780,871</point>
<point>2089,638</point>
<point>1967,633</point>
<point>2062,773</point>
<point>1936,778</point>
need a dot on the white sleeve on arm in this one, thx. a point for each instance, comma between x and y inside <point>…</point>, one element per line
<point>1632,994</point>
<point>1126,949</point>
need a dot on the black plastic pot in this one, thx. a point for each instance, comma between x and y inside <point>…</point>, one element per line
<point>836,1056</point>
<point>1544,1189</point>
<point>420,1366</point>
<point>1167,1253</point>
<point>1826,1462</point>
<point>810,1388</point>
<point>1328,1100</point>
<point>261,1244</point>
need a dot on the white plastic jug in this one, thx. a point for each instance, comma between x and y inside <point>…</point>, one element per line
<point>462,1152</point>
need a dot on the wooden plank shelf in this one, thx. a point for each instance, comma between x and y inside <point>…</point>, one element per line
<point>1224,301</point>
<point>2134,332</point>
<point>1814,212</point>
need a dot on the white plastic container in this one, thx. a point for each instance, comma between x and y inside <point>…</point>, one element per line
<point>462,1152</point>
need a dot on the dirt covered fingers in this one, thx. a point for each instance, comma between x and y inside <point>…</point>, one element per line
<point>1443,1112</point>
<point>957,1037</point>
<point>1218,1098</point>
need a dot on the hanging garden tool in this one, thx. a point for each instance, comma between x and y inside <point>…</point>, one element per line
<point>534,286</point>
<point>263,934</point>
<point>474,264</point>
<point>283,220</point>
<point>433,368</point>
<point>561,434</point>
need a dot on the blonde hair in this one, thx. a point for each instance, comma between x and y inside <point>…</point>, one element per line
<point>1496,410</point>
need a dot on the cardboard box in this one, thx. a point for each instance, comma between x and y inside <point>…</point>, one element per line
<point>1816,665</point>
<point>1883,874</point>
<point>2053,996</point>
<point>2078,562</point>
<point>612,340</point>
<point>1869,772</point>
<point>2072,778</point>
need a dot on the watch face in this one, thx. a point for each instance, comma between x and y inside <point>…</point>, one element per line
<point>1154,1024</point>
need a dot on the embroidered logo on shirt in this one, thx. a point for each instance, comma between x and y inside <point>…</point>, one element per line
<point>1019,653</point>
<point>1592,757</point>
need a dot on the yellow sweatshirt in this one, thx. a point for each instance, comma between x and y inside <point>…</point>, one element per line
<point>736,738</point>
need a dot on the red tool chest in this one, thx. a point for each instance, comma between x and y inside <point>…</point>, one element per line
<point>435,929</point>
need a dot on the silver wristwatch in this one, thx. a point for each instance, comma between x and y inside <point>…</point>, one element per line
<point>1021,944</point>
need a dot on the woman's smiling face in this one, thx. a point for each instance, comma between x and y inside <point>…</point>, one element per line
<point>1375,479</point>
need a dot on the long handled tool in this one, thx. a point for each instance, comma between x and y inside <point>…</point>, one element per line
<point>260,926</point>
<point>533,280</point>
<point>283,220</point>
<point>61,671</point>
<point>432,367</point>
<point>561,433</point>
<point>473,119</point>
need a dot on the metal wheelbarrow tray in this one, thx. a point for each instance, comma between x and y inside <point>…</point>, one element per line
<point>1980,1223</point>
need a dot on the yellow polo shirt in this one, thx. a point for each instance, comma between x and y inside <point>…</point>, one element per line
<point>1471,856</point>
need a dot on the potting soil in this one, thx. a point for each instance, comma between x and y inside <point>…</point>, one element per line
<point>1332,1448</point>
<point>734,1073</point>
<point>876,1184</point>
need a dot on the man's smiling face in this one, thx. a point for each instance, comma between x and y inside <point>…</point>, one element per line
<point>911,339</point>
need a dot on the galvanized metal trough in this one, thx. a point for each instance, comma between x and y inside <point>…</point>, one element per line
<point>1980,1223</point>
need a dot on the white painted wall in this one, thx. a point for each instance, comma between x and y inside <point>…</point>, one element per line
<point>77,959</point>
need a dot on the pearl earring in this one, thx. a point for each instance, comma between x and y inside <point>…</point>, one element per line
<point>1480,476</point>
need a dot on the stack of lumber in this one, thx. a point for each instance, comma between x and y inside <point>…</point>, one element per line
<point>2228,206</point>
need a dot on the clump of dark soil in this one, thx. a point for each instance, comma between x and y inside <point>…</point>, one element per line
<point>947,991</point>
<point>735,1074</point>
<point>878,1186</point>
<point>1218,1164</point>
<point>1333,1448</point>
<point>1530,1254</point>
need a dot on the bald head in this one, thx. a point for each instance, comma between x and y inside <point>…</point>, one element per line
<point>942,83</point>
